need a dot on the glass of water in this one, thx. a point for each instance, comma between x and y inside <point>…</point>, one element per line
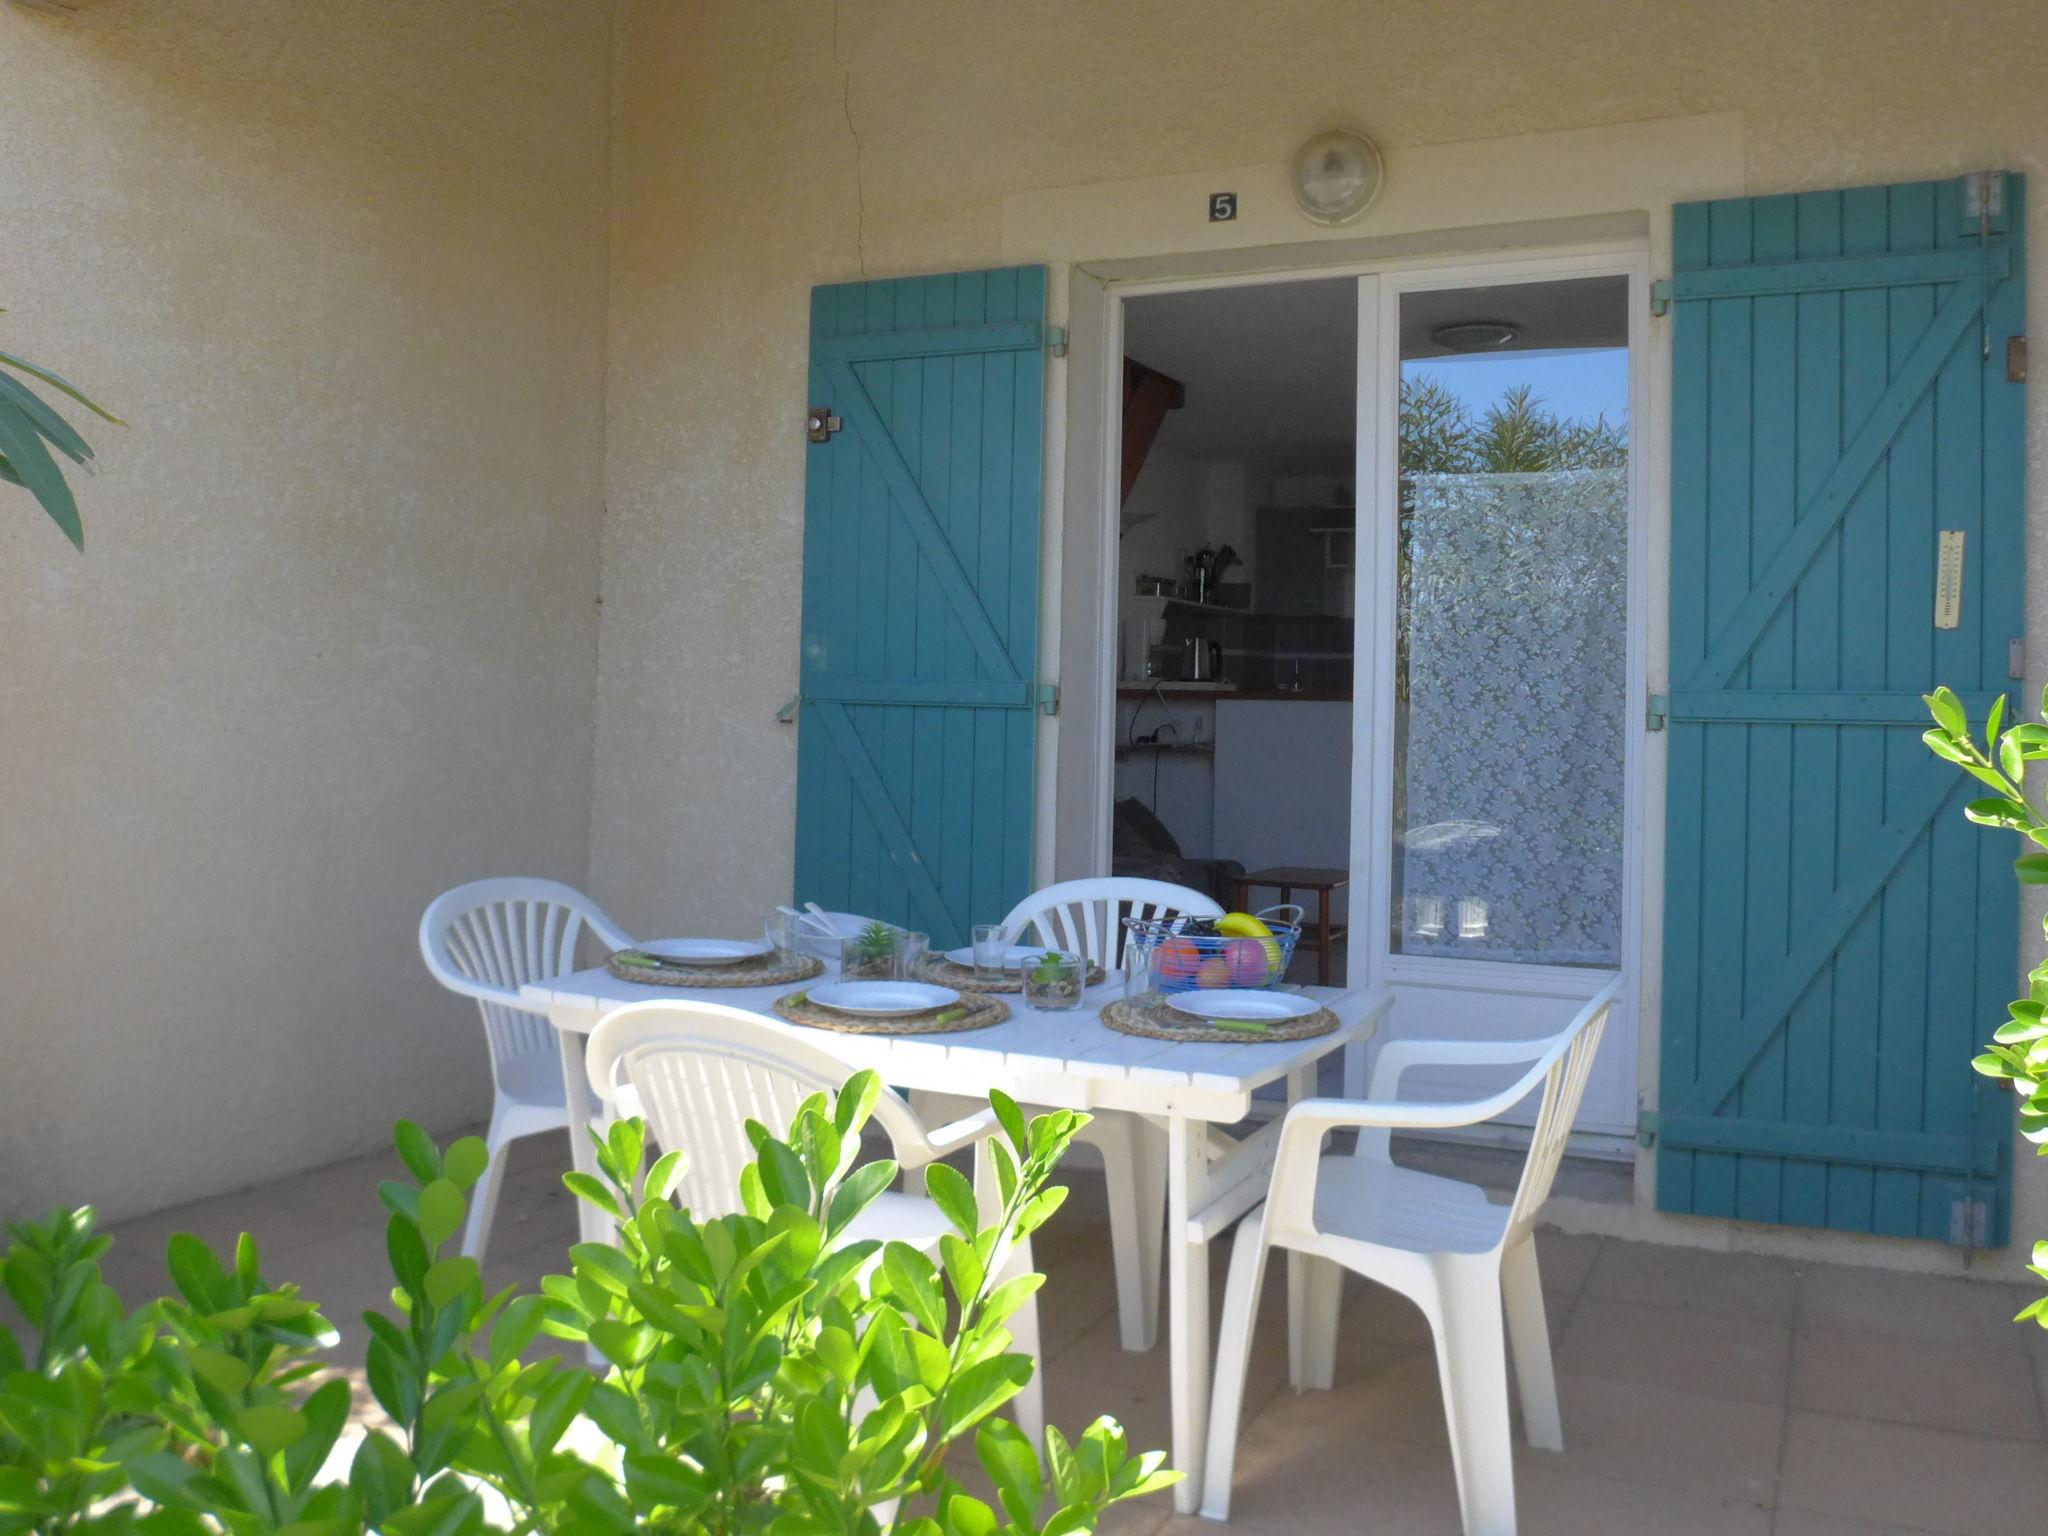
<point>911,949</point>
<point>991,950</point>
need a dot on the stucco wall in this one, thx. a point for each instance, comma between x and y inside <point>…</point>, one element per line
<point>342,266</point>
<point>760,148</point>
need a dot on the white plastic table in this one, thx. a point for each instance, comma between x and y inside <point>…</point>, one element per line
<point>1066,1060</point>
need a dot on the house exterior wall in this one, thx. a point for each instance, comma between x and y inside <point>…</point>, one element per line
<point>758,150</point>
<point>329,650</point>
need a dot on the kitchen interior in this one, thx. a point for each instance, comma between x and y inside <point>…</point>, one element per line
<point>1235,581</point>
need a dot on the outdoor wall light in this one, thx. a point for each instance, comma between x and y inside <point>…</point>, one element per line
<point>1336,175</point>
<point>1474,335</point>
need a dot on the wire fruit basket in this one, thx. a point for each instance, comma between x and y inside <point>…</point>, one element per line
<point>1181,954</point>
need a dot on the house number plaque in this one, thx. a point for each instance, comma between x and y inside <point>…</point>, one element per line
<point>1948,580</point>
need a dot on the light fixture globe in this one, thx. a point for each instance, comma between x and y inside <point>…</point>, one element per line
<point>1336,175</point>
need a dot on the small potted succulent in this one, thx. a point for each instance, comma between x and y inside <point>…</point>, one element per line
<point>871,954</point>
<point>1053,981</point>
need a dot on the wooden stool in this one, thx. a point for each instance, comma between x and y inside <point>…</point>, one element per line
<point>1289,878</point>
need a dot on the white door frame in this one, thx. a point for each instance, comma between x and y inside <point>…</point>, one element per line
<point>1088,561</point>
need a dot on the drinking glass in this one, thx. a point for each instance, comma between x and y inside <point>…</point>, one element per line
<point>784,936</point>
<point>1052,981</point>
<point>911,949</point>
<point>991,949</point>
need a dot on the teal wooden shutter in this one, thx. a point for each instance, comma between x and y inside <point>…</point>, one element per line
<point>920,607</point>
<point>1837,938</point>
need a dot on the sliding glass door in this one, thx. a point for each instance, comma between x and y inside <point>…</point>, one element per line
<point>1499,618</point>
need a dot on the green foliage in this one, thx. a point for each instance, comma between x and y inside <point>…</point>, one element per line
<point>763,1373</point>
<point>29,428</point>
<point>1516,436</point>
<point>2018,1052</point>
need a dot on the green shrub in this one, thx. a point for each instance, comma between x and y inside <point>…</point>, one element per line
<point>762,1374</point>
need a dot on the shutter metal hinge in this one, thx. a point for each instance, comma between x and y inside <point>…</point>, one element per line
<point>1969,1223</point>
<point>787,714</point>
<point>2016,658</point>
<point>1056,340</point>
<point>1659,714</point>
<point>2015,359</point>
<point>821,424</point>
<point>1646,1128</point>
<point>1660,296</point>
<point>1048,698</point>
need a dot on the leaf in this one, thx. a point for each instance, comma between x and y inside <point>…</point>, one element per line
<point>857,1191</point>
<point>466,1161</point>
<point>516,1328</point>
<point>270,1427</point>
<point>38,472</point>
<point>585,1187</point>
<point>381,1476</point>
<point>325,1410</point>
<point>950,1188</point>
<point>198,1274</point>
<point>416,1149</point>
<point>441,1209</point>
<point>979,1390</point>
<point>45,420</point>
<point>1947,710</point>
<point>450,1278</point>
<point>1039,1209</point>
<point>23,365</point>
<point>914,1283</point>
<point>225,1373</point>
<point>666,1173</point>
<point>407,1251</point>
<point>1011,1118</point>
<point>858,1096</point>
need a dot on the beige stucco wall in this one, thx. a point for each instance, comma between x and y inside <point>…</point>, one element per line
<point>760,148</point>
<point>341,263</point>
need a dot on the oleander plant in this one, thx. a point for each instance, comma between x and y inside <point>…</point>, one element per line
<point>2018,1052</point>
<point>34,435</point>
<point>759,1372</point>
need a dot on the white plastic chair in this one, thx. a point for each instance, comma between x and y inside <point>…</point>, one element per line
<point>486,940</point>
<point>1438,1241</point>
<point>1085,917</point>
<point>699,1071</point>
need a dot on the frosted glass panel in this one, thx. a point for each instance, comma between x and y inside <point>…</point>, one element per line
<point>1512,639</point>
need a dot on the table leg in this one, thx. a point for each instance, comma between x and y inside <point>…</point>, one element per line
<point>591,1224</point>
<point>1323,937</point>
<point>1188,1274</point>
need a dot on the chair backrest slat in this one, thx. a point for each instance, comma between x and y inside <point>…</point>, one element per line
<point>1086,917</point>
<point>700,1071</point>
<point>1564,1086</point>
<point>489,938</point>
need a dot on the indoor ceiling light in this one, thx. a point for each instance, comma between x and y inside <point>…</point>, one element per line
<point>1336,175</point>
<point>1474,335</point>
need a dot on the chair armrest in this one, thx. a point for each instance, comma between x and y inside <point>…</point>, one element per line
<point>1397,1056</point>
<point>947,1139</point>
<point>484,992</point>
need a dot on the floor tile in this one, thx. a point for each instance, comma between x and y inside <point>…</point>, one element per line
<point>1668,1438</point>
<point>1807,1522</point>
<point>1564,1260</point>
<point>1906,1306</point>
<point>1555,1499</point>
<point>1744,1285</point>
<point>1925,1479</point>
<point>1668,1346</point>
<point>1978,1387</point>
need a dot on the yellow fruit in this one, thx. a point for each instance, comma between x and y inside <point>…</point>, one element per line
<point>1242,925</point>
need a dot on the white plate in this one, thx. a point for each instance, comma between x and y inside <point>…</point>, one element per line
<point>1016,957</point>
<point>1248,1004</point>
<point>881,999</point>
<point>704,951</point>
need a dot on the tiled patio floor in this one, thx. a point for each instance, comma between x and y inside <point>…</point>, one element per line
<point>1702,1393</point>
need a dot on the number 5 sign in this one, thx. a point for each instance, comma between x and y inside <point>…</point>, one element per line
<point>1222,207</point>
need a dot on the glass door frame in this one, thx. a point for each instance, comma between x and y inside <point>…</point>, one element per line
<point>1545,988</point>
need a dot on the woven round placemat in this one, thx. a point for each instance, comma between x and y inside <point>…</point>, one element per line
<point>764,972</point>
<point>1153,1016</point>
<point>941,972</point>
<point>968,1013</point>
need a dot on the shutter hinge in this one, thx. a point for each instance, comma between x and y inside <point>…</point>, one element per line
<point>1969,1223</point>
<point>1660,296</point>
<point>821,424</point>
<point>787,714</point>
<point>1056,340</point>
<point>1659,714</point>
<point>2015,359</point>
<point>1646,1128</point>
<point>1048,698</point>
<point>2016,658</point>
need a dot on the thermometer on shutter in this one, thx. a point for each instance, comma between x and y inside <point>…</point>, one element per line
<point>1948,580</point>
